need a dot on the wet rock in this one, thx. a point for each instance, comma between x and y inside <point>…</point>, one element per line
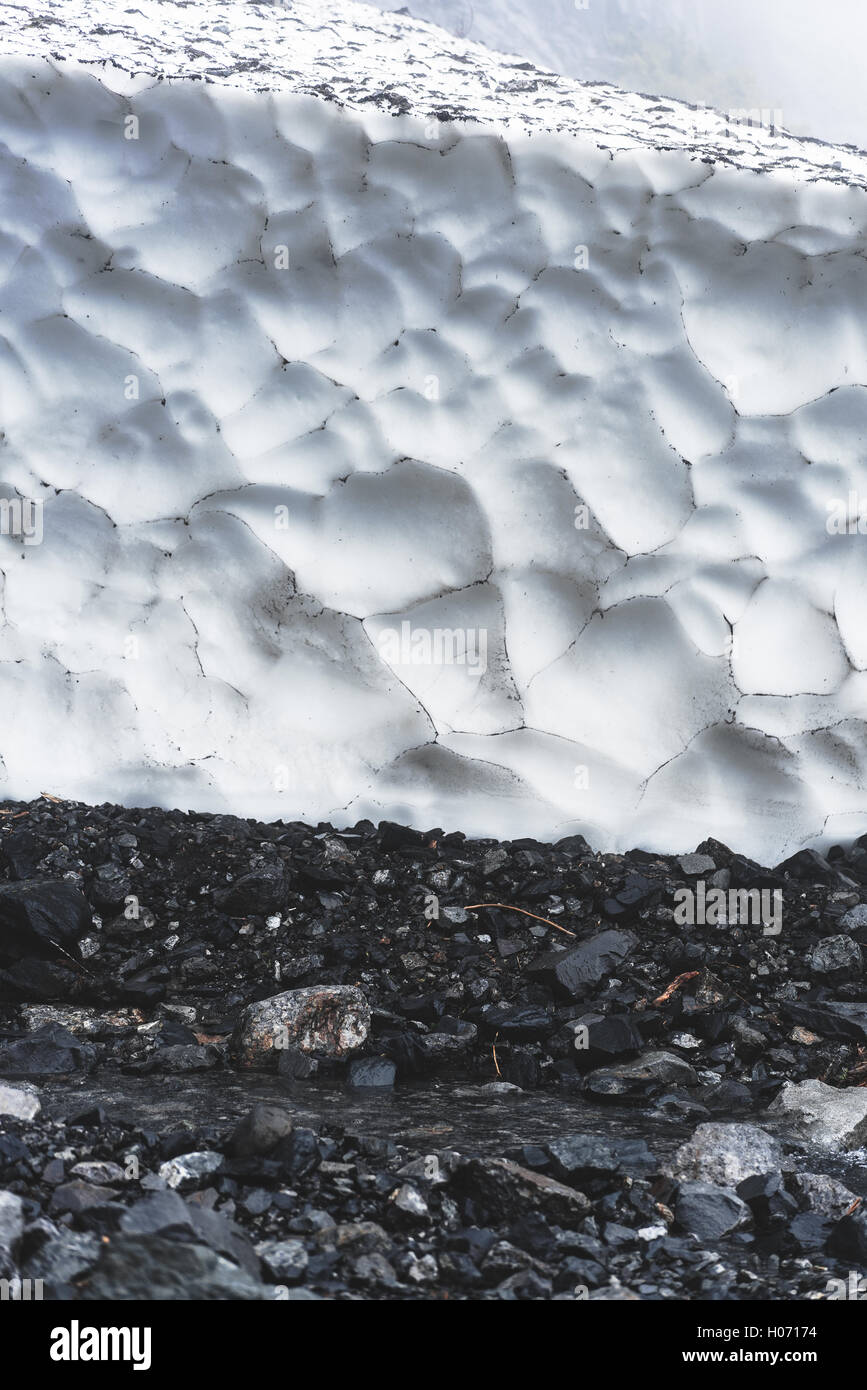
<point>831,1118</point>
<point>182,1058</point>
<point>725,1154</point>
<point>154,1267</point>
<point>570,972</point>
<point>21,1102</point>
<point>294,1065</point>
<point>371,1073</point>
<point>505,1191</point>
<point>646,1073</point>
<point>260,1131</point>
<point>710,1212</point>
<point>579,1157</point>
<point>330,1019</point>
<point>440,1043</point>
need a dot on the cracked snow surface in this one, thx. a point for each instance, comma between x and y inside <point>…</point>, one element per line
<point>321,327</point>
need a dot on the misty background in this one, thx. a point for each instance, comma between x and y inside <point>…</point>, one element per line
<point>797,56</point>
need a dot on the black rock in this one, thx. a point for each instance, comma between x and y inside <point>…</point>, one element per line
<point>637,892</point>
<point>516,1023</point>
<point>708,1211</point>
<point>298,1152</point>
<point>612,1035</point>
<point>154,1267</point>
<point>577,1157</point>
<point>36,981</point>
<point>157,1214</point>
<point>255,894</point>
<point>810,1231</point>
<point>38,916</point>
<point>20,852</point>
<point>260,1131</point>
<point>848,1238</point>
<point>48,1051</point>
<point>570,972</point>
<point>371,1073</point>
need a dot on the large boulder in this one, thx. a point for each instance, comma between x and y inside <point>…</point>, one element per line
<point>829,1117</point>
<point>332,1020</point>
<point>725,1154</point>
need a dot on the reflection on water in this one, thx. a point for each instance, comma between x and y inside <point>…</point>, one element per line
<point>433,1113</point>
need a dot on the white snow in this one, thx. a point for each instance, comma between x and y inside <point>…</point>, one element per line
<point>397,430</point>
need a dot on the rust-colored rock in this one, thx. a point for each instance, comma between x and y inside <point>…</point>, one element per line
<point>332,1020</point>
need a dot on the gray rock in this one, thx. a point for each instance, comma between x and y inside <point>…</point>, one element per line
<point>215,1229</point>
<point>156,1214</point>
<point>21,1102</point>
<point>79,1196</point>
<point>494,860</point>
<point>449,1044</point>
<point>725,1154</point>
<point>824,1115</point>
<point>708,1211</point>
<point>823,1194</point>
<point>155,1268</point>
<point>580,1156</point>
<point>49,1051</point>
<point>641,1075</point>
<point>330,1019</point>
<point>409,1200</point>
<point>11,1229</point>
<point>188,1169</point>
<point>371,1072</point>
<point>63,1257</point>
<point>855,918</point>
<point>835,953</point>
<point>694,864</point>
<point>260,1131</point>
<point>98,1171</point>
<point>285,1260</point>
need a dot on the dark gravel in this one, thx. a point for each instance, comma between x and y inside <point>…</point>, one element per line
<point>136,945</point>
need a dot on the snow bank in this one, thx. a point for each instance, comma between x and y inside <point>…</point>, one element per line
<point>392,429</point>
